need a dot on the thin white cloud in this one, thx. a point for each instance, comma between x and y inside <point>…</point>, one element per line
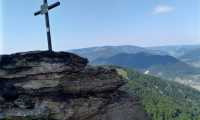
<point>162,9</point>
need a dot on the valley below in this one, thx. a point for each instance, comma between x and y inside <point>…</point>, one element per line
<point>174,63</point>
<point>192,81</point>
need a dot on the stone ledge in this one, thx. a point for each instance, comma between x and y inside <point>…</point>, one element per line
<point>38,62</point>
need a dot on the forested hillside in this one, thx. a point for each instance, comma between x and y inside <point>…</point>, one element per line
<point>164,100</point>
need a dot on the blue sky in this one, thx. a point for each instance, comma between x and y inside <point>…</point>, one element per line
<point>85,23</point>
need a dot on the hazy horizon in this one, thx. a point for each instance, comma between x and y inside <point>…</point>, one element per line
<point>81,24</point>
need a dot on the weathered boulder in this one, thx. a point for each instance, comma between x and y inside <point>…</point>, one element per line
<point>60,86</point>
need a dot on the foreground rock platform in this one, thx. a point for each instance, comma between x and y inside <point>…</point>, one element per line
<point>38,62</point>
<point>46,85</point>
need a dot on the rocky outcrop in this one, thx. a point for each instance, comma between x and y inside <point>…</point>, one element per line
<point>32,63</point>
<point>61,86</point>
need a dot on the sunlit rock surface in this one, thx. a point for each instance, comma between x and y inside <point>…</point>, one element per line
<point>33,63</point>
<point>61,86</point>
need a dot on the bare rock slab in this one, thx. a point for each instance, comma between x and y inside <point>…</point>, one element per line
<point>90,80</point>
<point>39,62</point>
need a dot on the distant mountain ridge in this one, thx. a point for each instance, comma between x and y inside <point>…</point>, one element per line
<point>175,50</point>
<point>192,57</point>
<point>136,57</point>
<point>93,53</point>
<point>150,60</point>
<point>187,53</point>
<point>159,65</point>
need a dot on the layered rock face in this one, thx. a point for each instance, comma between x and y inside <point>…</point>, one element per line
<point>61,86</point>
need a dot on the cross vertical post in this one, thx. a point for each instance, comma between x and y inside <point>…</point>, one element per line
<point>44,11</point>
<point>48,28</point>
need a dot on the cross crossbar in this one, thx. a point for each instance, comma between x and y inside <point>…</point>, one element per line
<point>49,8</point>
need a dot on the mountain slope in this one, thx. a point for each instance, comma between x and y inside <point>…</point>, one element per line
<point>139,60</point>
<point>192,57</point>
<point>163,65</point>
<point>164,100</point>
<point>176,50</point>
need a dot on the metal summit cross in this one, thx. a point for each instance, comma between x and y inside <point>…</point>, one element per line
<point>44,11</point>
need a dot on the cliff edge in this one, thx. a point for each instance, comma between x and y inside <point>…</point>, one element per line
<point>45,85</point>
